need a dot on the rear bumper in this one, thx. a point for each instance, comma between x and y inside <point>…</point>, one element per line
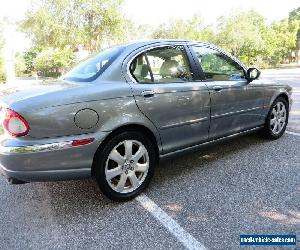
<point>48,175</point>
<point>48,159</point>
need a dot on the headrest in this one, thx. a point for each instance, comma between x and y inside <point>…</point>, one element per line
<point>169,68</point>
<point>144,70</point>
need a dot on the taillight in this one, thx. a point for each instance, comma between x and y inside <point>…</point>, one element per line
<point>15,124</point>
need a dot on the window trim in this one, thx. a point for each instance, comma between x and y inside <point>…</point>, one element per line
<point>225,55</point>
<point>188,54</point>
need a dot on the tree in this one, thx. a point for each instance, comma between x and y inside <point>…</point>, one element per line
<point>61,23</point>
<point>29,57</point>
<point>294,15</point>
<point>20,65</point>
<point>135,31</point>
<point>245,35</point>
<point>2,70</point>
<point>283,39</point>
<point>52,62</point>
<point>193,29</point>
<point>58,27</point>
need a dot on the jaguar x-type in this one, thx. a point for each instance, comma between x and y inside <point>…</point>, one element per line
<point>115,115</point>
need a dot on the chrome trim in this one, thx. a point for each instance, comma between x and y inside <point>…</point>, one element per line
<point>235,113</point>
<point>35,148</point>
<point>184,123</point>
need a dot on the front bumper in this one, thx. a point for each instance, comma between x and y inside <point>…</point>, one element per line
<point>48,159</point>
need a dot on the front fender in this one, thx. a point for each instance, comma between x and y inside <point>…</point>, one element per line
<point>273,95</point>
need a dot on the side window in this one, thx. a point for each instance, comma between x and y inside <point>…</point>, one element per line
<point>218,67</point>
<point>140,69</point>
<point>162,65</point>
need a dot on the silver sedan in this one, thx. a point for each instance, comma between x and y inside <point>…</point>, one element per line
<point>114,116</point>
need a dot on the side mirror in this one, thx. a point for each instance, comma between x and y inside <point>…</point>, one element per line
<point>253,74</point>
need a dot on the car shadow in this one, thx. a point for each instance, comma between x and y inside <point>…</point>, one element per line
<point>87,196</point>
<point>211,153</point>
<point>214,189</point>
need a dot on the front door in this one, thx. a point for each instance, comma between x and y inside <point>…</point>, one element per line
<point>236,105</point>
<point>166,93</point>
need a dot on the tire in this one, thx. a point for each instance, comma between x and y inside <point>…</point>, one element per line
<point>122,175</point>
<point>275,118</point>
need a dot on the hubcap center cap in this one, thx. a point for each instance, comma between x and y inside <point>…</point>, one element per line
<point>128,165</point>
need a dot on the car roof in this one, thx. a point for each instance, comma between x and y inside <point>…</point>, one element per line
<point>140,43</point>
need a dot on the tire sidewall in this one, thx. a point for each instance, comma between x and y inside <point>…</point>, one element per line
<point>101,159</point>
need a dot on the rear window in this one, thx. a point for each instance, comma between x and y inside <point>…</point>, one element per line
<point>94,66</point>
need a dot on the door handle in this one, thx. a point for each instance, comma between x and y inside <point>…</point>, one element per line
<point>217,88</point>
<point>148,93</point>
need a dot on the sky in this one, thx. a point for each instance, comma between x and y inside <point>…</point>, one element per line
<point>154,12</point>
<point>157,11</point>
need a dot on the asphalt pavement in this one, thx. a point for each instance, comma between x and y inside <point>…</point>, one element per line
<point>247,185</point>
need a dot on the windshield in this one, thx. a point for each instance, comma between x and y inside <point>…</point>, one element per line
<point>91,68</point>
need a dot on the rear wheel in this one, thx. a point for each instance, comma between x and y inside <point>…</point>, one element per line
<point>125,165</point>
<point>277,119</point>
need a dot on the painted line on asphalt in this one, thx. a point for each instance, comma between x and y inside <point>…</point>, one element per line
<point>297,112</point>
<point>292,133</point>
<point>173,227</point>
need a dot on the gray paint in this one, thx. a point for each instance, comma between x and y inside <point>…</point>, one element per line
<point>181,116</point>
<point>86,118</point>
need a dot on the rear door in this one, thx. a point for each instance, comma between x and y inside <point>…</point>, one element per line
<point>236,104</point>
<point>166,92</point>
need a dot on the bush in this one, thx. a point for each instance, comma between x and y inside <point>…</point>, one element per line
<point>20,65</point>
<point>51,62</point>
<point>2,72</point>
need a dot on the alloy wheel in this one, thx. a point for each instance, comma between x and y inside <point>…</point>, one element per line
<point>127,166</point>
<point>278,118</point>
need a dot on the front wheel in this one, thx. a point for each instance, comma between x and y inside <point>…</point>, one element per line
<point>277,119</point>
<point>125,165</point>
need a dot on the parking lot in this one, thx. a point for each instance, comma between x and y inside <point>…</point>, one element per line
<point>247,185</point>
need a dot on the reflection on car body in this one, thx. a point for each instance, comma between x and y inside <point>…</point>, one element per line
<point>116,114</point>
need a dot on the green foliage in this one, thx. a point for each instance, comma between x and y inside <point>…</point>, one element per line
<point>193,29</point>
<point>29,57</point>
<point>135,31</point>
<point>283,39</point>
<point>246,35</point>
<point>61,23</point>
<point>66,24</point>
<point>2,70</point>
<point>52,62</point>
<point>20,65</point>
<point>58,27</point>
<point>295,15</point>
